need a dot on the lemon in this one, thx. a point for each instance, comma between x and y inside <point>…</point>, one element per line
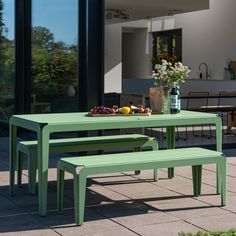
<point>125,110</point>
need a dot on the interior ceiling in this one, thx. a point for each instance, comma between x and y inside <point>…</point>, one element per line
<point>127,10</point>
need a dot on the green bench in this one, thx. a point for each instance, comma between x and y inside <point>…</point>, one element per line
<point>29,148</point>
<point>82,167</point>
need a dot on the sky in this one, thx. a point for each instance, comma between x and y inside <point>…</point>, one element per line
<point>60,16</point>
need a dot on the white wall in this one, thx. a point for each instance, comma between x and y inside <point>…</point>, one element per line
<point>113,61</point>
<point>113,53</point>
<point>135,54</point>
<point>208,36</point>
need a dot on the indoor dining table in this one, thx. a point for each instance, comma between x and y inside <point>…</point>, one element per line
<point>45,124</point>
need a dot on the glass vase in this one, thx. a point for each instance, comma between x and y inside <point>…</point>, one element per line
<point>165,109</point>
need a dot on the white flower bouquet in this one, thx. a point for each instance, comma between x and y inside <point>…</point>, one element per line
<point>166,73</point>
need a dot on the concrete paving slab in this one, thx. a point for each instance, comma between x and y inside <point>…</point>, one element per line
<point>231,161</point>
<point>139,190</point>
<point>145,219</point>
<point>7,208</point>
<point>66,220</point>
<point>22,223</point>
<point>184,186</point>
<point>110,195</point>
<point>215,201</point>
<point>121,209</point>
<point>186,207</point>
<point>215,223</point>
<point>97,195</point>
<point>90,226</point>
<point>231,184</point>
<point>167,229</point>
<point>37,232</point>
<point>231,170</point>
<point>118,232</point>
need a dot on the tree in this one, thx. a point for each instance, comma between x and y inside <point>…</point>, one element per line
<point>1,20</point>
<point>54,64</point>
<point>42,37</point>
<point>53,70</point>
<point>60,45</point>
<point>2,56</point>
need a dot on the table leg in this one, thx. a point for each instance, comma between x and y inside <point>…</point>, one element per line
<point>170,136</point>
<point>43,154</point>
<point>219,149</point>
<point>12,157</point>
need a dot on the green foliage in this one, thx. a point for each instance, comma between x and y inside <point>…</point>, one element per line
<point>9,61</point>
<point>42,37</point>
<point>1,38</point>
<point>54,65</point>
<point>6,66</point>
<point>6,54</point>
<point>231,232</point>
<point>1,20</point>
<point>53,70</point>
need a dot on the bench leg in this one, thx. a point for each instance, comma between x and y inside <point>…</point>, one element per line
<point>197,179</point>
<point>155,174</point>
<point>199,176</point>
<point>194,177</point>
<point>218,179</point>
<point>20,160</point>
<point>155,171</point>
<point>32,169</point>
<point>79,198</point>
<point>137,149</point>
<point>60,190</point>
<point>222,170</point>
<point>170,135</point>
<point>154,146</point>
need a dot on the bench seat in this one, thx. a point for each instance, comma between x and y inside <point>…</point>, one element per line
<point>29,148</point>
<point>82,167</point>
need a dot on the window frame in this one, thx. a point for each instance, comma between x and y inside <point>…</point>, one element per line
<point>91,54</point>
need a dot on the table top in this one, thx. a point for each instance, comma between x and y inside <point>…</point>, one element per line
<point>80,117</point>
<point>81,120</point>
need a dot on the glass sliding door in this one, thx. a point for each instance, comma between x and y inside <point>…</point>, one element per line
<point>6,63</point>
<point>54,56</point>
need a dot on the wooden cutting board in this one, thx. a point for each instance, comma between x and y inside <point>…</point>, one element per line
<point>119,114</point>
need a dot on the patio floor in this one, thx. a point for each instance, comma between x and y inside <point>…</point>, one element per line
<point>121,204</point>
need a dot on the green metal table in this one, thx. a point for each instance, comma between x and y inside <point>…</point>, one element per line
<point>45,124</point>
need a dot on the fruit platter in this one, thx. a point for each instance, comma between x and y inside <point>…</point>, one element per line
<point>120,111</point>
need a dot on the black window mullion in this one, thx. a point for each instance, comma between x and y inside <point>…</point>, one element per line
<point>82,38</point>
<point>22,56</point>
<point>91,61</point>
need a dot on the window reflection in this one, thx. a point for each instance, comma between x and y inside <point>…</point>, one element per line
<point>6,64</point>
<point>54,56</point>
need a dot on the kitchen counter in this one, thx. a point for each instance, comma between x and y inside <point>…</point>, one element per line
<point>212,86</point>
